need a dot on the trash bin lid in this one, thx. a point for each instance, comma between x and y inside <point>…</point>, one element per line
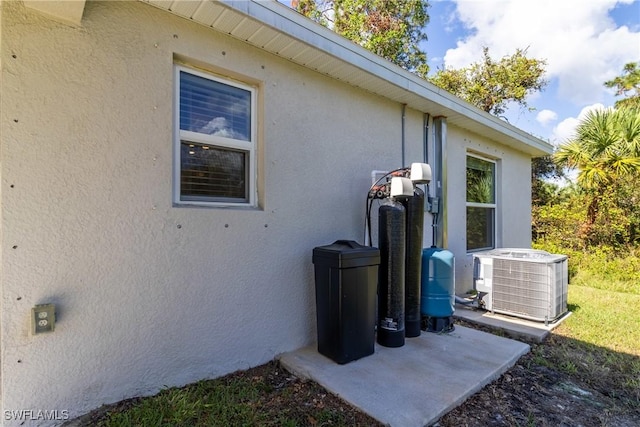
<point>346,254</point>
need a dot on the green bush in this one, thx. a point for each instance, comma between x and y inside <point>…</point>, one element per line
<point>602,267</point>
<point>559,225</point>
<point>579,219</point>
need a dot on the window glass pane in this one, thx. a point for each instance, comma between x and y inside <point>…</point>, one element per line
<point>480,181</point>
<point>480,228</point>
<point>214,108</point>
<point>212,173</point>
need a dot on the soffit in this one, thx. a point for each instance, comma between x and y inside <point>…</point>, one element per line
<point>275,28</point>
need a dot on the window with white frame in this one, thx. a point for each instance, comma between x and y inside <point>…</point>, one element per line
<point>215,140</point>
<point>481,203</point>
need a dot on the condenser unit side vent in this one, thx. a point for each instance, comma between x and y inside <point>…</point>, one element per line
<point>524,283</point>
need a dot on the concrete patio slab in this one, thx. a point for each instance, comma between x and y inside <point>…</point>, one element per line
<point>513,326</point>
<point>414,385</point>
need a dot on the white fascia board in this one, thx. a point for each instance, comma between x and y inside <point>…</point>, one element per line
<point>65,11</point>
<point>287,21</point>
<point>290,22</point>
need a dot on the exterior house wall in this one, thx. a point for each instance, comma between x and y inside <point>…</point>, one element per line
<point>148,294</point>
<point>513,187</point>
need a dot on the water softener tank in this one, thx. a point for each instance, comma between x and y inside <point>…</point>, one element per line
<point>438,289</point>
<point>391,274</point>
<point>413,263</point>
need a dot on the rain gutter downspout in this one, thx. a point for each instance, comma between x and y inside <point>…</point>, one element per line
<point>404,109</point>
<point>440,154</point>
<point>427,199</point>
<point>425,122</point>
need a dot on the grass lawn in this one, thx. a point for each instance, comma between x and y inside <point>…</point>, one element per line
<point>604,318</point>
<point>598,345</point>
<point>601,344</point>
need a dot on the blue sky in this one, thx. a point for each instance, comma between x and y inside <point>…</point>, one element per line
<point>585,43</point>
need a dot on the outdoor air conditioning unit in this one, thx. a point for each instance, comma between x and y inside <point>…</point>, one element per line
<point>525,283</point>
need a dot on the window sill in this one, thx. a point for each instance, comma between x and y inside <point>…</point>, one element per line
<point>226,206</point>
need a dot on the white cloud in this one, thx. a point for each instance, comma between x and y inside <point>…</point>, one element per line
<point>545,117</point>
<point>435,59</point>
<point>580,41</point>
<point>565,130</point>
<point>220,126</point>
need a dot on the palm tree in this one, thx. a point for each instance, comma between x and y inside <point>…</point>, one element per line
<point>627,85</point>
<point>605,150</point>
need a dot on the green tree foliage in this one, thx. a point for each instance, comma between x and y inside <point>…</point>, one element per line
<point>557,223</point>
<point>600,211</point>
<point>606,153</point>
<point>627,85</point>
<point>628,200</point>
<point>392,29</point>
<point>491,85</point>
<point>561,223</point>
<point>543,191</point>
<point>605,149</point>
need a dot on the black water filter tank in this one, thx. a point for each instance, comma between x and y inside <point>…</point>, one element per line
<point>391,274</point>
<point>413,264</point>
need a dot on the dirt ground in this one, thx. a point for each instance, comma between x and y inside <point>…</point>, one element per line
<point>301,402</point>
<point>527,395</point>
<point>534,392</point>
<point>533,395</point>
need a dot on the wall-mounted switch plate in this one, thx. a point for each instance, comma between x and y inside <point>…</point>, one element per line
<point>43,318</point>
<point>434,205</point>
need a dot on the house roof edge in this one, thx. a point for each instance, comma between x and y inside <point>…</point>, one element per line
<point>319,48</point>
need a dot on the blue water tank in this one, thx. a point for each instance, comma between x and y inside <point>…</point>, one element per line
<point>437,288</point>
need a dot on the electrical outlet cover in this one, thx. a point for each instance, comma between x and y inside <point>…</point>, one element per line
<point>43,318</point>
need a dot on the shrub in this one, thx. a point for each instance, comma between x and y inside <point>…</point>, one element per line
<point>602,267</point>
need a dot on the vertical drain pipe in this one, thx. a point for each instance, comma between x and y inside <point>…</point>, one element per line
<point>440,154</point>
<point>404,110</point>
<point>425,150</point>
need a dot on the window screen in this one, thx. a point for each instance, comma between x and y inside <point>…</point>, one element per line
<point>207,171</point>
<point>215,146</point>
<point>214,108</point>
<point>481,203</point>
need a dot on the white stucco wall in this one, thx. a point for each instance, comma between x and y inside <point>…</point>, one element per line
<point>148,294</point>
<point>513,213</point>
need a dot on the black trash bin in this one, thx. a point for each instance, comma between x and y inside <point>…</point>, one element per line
<point>346,276</point>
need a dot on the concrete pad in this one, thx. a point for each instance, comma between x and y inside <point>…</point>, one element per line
<point>413,385</point>
<point>513,326</point>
